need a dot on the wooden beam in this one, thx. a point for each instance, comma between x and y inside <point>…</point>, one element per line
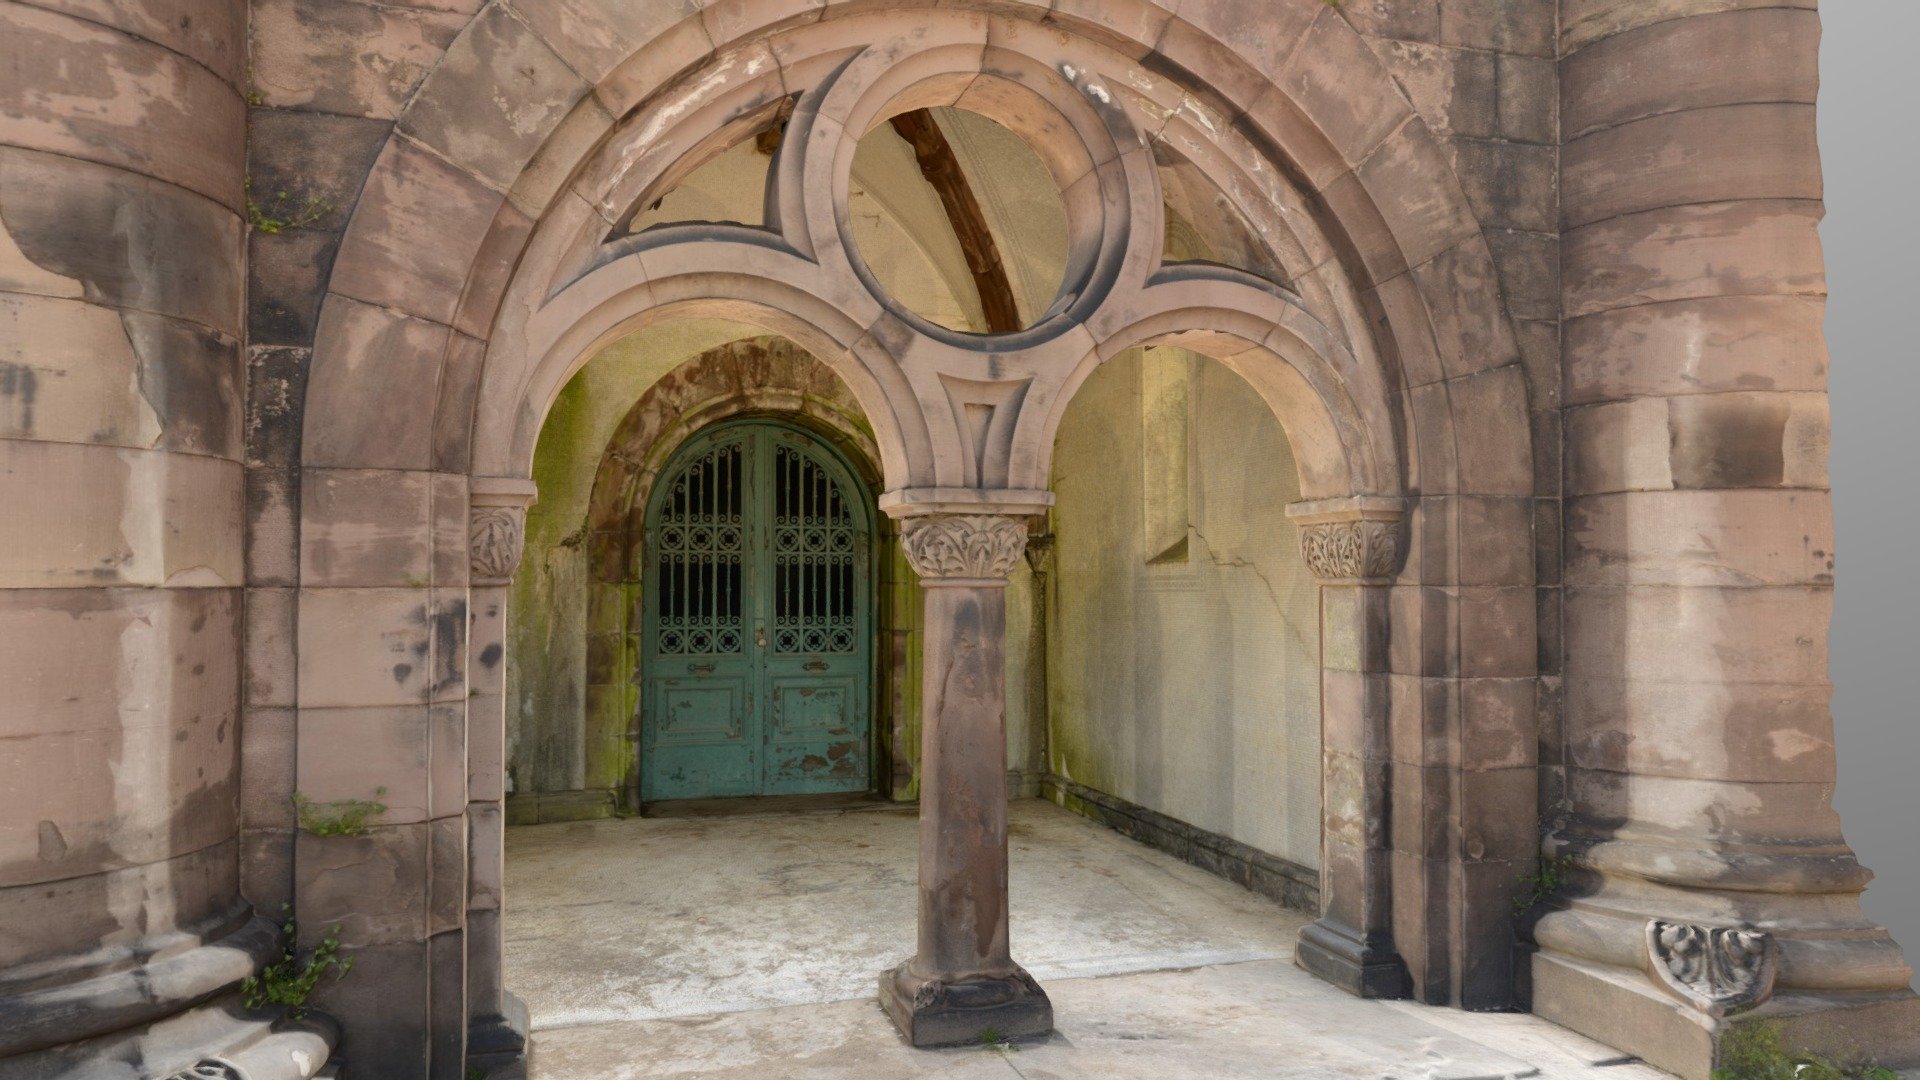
<point>942,169</point>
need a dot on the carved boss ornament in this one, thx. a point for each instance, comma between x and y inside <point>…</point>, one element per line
<point>964,546</point>
<point>495,535</point>
<point>1717,970</point>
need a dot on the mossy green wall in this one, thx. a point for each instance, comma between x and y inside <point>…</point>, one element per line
<point>549,724</point>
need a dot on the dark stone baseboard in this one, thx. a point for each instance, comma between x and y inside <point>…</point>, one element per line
<point>1269,875</point>
<point>542,807</point>
<point>1337,955</point>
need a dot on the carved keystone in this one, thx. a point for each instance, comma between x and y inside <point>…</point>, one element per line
<point>1351,540</point>
<point>1717,970</point>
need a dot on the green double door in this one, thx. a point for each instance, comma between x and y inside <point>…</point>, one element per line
<point>756,645</point>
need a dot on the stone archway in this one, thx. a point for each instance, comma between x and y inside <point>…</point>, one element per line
<point>482,268</point>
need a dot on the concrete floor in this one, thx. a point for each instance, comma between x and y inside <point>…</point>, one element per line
<point>750,946</point>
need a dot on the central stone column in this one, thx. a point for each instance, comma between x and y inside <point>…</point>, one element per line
<point>962,986</point>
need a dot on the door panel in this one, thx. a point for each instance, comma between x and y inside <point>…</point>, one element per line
<point>757,652</point>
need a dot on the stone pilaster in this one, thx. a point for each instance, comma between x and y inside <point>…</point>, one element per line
<point>962,981</point>
<point>496,538</point>
<point>1354,547</point>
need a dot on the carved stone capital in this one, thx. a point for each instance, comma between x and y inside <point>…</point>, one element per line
<point>963,546</point>
<point>496,528</point>
<point>1351,540</point>
<point>1718,970</point>
<point>495,537</point>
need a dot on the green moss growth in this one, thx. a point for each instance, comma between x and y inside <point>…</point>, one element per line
<point>1754,1051</point>
<point>282,211</point>
<point>342,817</point>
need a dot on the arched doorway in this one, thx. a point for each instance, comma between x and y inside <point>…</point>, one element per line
<point>757,658</point>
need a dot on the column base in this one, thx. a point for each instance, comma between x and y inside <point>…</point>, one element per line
<point>1624,1009</point>
<point>497,1046</point>
<point>931,1013</point>
<point>1335,954</point>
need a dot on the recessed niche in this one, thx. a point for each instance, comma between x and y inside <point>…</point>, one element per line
<point>958,220</point>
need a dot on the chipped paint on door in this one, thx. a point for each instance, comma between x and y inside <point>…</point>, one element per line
<point>757,654</point>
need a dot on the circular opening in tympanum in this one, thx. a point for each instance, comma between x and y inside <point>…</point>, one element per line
<point>958,220</point>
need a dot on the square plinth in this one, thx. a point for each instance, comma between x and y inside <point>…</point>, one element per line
<point>970,1012</point>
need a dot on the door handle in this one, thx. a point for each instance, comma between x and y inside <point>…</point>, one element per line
<point>700,669</point>
<point>759,637</point>
<point>815,665</point>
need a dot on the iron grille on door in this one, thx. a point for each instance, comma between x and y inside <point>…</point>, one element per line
<point>814,553</point>
<point>702,557</point>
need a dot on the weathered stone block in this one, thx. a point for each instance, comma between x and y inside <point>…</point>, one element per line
<point>1686,252</point>
<point>267,780</point>
<point>350,753</point>
<point>348,426</point>
<point>372,886</point>
<point>1695,63</point>
<point>363,647</point>
<point>270,623</point>
<point>1733,538</point>
<point>80,373</point>
<point>346,57</point>
<point>1510,185</point>
<point>153,246</point>
<point>1425,217</point>
<point>273,526</point>
<point>99,515</point>
<point>1495,458</point>
<point>1334,78</point>
<point>1453,90</point>
<point>1496,632</point>
<point>1722,154</point>
<point>365,527</point>
<point>415,233</point>
<point>1703,345</point>
<point>460,113</point>
<point>1701,634</point>
<point>79,89</point>
<point>276,390</point>
<point>1516,26</point>
<point>1461,288</point>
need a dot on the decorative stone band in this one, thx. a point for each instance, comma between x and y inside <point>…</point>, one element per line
<point>963,546</point>
<point>1717,970</point>
<point>496,527</point>
<point>1351,540</point>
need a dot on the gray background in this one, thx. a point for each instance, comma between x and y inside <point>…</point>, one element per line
<point>1868,128</point>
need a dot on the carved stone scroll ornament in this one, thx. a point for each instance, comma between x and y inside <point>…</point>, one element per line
<point>963,546</point>
<point>1341,550</point>
<point>1717,970</point>
<point>495,535</point>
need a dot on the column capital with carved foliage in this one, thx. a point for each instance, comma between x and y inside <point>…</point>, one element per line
<point>496,527</point>
<point>1358,540</point>
<point>964,536</point>
<point>970,549</point>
